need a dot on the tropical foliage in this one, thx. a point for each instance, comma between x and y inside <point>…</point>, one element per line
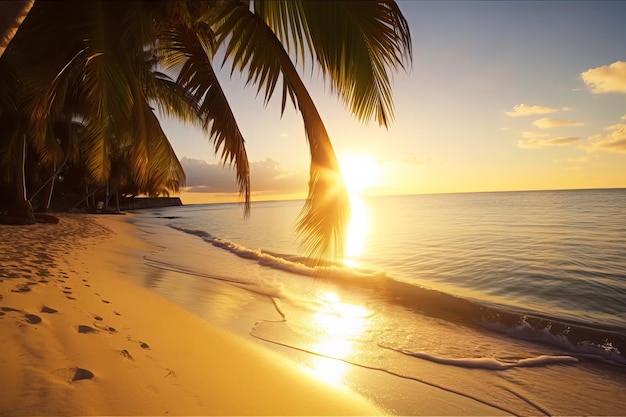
<point>109,65</point>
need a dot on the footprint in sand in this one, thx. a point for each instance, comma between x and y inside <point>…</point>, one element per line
<point>21,288</point>
<point>126,354</point>
<point>32,318</point>
<point>85,329</point>
<point>106,328</point>
<point>70,298</point>
<point>74,374</point>
<point>106,302</point>
<point>82,373</point>
<point>48,310</point>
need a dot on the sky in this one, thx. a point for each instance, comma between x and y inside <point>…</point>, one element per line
<point>500,96</point>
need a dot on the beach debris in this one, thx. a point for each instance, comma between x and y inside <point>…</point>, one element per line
<point>32,318</point>
<point>82,373</point>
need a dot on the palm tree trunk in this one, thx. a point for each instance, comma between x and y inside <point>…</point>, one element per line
<point>107,198</point>
<point>22,210</point>
<point>12,14</point>
<point>51,188</point>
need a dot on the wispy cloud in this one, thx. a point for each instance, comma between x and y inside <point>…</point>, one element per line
<point>530,110</point>
<point>266,175</point>
<point>543,142</point>
<point>607,78</point>
<point>547,123</point>
<point>612,142</point>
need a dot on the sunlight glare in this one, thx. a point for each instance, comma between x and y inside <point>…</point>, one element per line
<point>357,232</point>
<point>338,324</point>
<point>359,173</point>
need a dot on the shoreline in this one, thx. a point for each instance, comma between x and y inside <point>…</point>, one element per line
<point>85,335</point>
<point>79,338</point>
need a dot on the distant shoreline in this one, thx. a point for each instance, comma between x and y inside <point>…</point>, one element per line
<point>236,201</point>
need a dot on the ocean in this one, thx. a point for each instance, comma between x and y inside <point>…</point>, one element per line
<point>514,299</point>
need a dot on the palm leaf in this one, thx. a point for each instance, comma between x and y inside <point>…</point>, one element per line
<point>255,49</point>
<point>356,44</point>
<point>188,50</point>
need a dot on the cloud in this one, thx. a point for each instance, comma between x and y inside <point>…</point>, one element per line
<point>547,123</point>
<point>607,78</point>
<point>613,142</point>
<point>543,142</point>
<point>267,175</point>
<point>528,110</point>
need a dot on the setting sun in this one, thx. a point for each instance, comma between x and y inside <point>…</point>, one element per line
<point>359,172</point>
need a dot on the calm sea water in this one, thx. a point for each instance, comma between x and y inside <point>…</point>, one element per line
<point>517,282</point>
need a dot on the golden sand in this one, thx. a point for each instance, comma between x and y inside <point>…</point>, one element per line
<point>79,338</point>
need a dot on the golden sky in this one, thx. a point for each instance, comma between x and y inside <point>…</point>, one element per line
<point>501,96</point>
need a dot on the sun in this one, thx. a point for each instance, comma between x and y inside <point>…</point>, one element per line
<point>359,173</point>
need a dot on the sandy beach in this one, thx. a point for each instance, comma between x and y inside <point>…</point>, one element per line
<point>80,338</point>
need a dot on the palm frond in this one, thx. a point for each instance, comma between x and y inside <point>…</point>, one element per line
<point>356,44</point>
<point>189,50</point>
<point>254,48</point>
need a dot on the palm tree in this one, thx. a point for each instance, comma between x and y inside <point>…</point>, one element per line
<point>95,69</point>
<point>12,14</point>
<point>104,66</point>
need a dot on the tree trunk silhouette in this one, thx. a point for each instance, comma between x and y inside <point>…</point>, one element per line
<point>22,210</point>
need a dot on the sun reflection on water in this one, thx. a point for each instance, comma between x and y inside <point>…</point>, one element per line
<point>338,326</point>
<point>357,232</point>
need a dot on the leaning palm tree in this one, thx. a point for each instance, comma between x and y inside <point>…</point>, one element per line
<point>101,49</point>
<point>356,44</point>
